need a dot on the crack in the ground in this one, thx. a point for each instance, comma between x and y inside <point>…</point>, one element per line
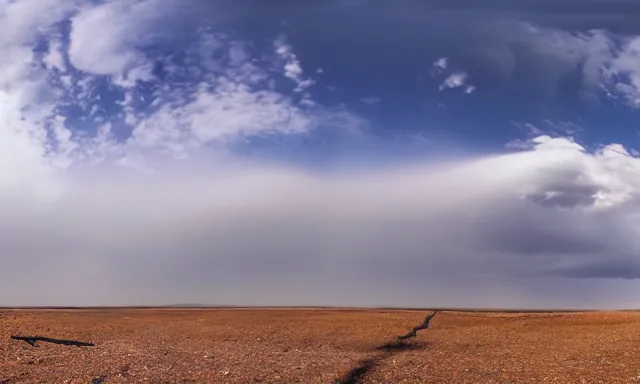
<point>367,365</point>
<point>424,325</point>
<point>389,349</point>
<point>399,346</point>
<point>32,340</point>
<point>354,376</point>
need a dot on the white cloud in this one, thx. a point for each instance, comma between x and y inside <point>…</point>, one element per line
<point>546,57</point>
<point>292,67</point>
<point>218,94</point>
<point>441,63</point>
<point>518,144</point>
<point>26,98</point>
<point>126,28</point>
<point>608,63</point>
<point>453,79</point>
<point>546,127</point>
<point>23,21</point>
<point>623,75</point>
<point>123,26</point>
<point>457,80</point>
<point>55,57</point>
<point>229,111</point>
<point>230,103</point>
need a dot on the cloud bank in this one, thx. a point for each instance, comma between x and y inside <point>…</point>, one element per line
<point>549,226</point>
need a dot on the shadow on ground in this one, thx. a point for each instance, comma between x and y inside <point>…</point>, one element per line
<point>386,351</point>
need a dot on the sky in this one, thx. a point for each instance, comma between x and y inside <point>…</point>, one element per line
<point>352,153</point>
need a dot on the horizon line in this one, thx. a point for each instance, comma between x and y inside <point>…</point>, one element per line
<point>325,307</point>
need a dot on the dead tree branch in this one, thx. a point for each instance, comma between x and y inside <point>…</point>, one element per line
<point>32,340</point>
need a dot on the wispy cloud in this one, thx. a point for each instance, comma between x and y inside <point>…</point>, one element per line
<point>453,79</point>
<point>457,80</point>
<point>292,67</point>
<point>555,128</point>
<point>371,100</point>
<point>441,63</point>
<point>115,99</point>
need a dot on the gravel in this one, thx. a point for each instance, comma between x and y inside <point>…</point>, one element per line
<point>318,346</point>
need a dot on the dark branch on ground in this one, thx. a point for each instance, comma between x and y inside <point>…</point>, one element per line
<point>32,340</point>
<point>424,325</point>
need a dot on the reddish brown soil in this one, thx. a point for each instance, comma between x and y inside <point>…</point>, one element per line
<point>319,346</point>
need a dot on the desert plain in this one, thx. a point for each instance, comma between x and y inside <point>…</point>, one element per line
<point>315,345</point>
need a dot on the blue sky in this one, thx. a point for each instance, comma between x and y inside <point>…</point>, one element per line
<point>530,62</point>
<point>346,152</point>
<point>527,69</point>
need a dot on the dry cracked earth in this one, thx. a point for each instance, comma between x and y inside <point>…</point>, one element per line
<point>318,346</point>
